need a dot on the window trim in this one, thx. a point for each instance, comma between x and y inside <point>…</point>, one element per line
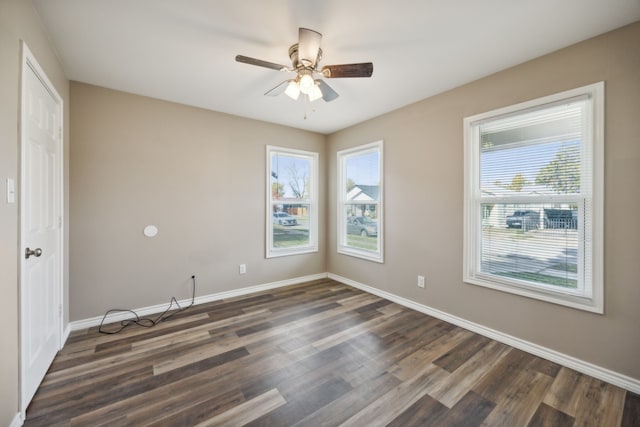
<point>594,253</point>
<point>313,157</point>
<point>342,248</point>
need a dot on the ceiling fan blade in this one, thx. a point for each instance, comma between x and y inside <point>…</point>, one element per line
<point>328,94</point>
<point>364,69</point>
<point>308,46</point>
<point>278,89</point>
<point>261,63</point>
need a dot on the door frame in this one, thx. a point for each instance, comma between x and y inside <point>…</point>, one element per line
<point>28,61</point>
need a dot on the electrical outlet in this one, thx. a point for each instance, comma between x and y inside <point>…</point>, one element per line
<point>243,268</point>
<point>421,281</point>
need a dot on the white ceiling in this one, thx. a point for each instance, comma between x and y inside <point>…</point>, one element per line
<point>184,50</point>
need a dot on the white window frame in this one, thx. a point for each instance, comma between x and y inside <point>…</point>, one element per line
<point>312,246</point>
<point>343,248</point>
<point>591,297</point>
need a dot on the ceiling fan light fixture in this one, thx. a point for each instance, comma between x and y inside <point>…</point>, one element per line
<point>292,90</point>
<point>307,83</point>
<point>316,93</point>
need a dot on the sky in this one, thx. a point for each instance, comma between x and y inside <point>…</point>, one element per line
<point>283,165</point>
<point>503,164</point>
<point>363,169</point>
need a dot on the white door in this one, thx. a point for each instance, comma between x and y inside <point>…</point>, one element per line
<point>41,226</point>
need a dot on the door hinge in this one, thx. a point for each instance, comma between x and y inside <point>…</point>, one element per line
<point>59,222</point>
<point>60,310</point>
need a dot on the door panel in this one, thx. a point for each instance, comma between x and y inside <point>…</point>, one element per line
<point>41,227</point>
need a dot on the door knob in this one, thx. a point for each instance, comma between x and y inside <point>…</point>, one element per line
<point>35,252</point>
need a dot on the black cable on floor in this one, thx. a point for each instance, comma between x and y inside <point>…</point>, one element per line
<point>147,322</point>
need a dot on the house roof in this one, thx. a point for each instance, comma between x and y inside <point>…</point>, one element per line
<point>364,192</point>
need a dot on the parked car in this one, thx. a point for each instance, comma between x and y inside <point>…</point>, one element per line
<point>560,218</point>
<point>526,220</point>
<point>362,225</point>
<point>283,218</point>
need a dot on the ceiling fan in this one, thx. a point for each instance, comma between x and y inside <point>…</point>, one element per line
<point>305,56</point>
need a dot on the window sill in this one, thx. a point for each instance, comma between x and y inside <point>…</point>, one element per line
<point>285,252</point>
<point>369,256</point>
<point>593,305</point>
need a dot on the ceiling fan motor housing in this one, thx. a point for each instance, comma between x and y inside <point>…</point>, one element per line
<point>297,64</point>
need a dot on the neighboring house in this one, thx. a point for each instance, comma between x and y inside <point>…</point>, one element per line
<point>495,215</point>
<point>364,193</point>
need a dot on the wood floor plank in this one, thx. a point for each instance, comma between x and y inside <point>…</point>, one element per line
<point>631,413</point>
<point>424,411</point>
<point>409,366</point>
<point>350,403</point>
<point>458,355</point>
<point>566,391</point>
<point>518,404</point>
<point>460,382</point>
<point>201,410</point>
<point>601,403</point>
<point>470,411</point>
<point>545,366</point>
<point>547,416</point>
<point>247,412</point>
<point>313,354</point>
<point>501,375</point>
<point>389,406</point>
<point>303,403</point>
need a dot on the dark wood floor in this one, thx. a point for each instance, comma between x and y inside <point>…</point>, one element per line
<point>315,354</point>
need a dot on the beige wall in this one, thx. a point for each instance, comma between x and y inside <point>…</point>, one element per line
<point>18,21</point>
<point>195,174</point>
<point>424,165</point>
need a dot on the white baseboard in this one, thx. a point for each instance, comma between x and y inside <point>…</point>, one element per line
<point>17,421</point>
<point>146,311</point>
<point>595,371</point>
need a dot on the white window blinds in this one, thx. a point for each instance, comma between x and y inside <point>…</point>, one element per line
<point>530,197</point>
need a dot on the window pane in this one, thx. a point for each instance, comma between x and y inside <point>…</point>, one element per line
<point>290,177</point>
<point>535,153</point>
<point>361,226</point>
<point>290,225</point>
<point>292,210</point>
<point>362,174</point>
<point>533,242</point>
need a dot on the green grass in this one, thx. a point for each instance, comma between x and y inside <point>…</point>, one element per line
<point>513,233</point>
<point>572,268</point>
<point>284,237</point>
<point>362,242</point>
<point>541,278</point>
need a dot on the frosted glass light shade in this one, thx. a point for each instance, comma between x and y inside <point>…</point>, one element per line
<point>315,94</point>
<point>307,84</point>
<point>292,90</point>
